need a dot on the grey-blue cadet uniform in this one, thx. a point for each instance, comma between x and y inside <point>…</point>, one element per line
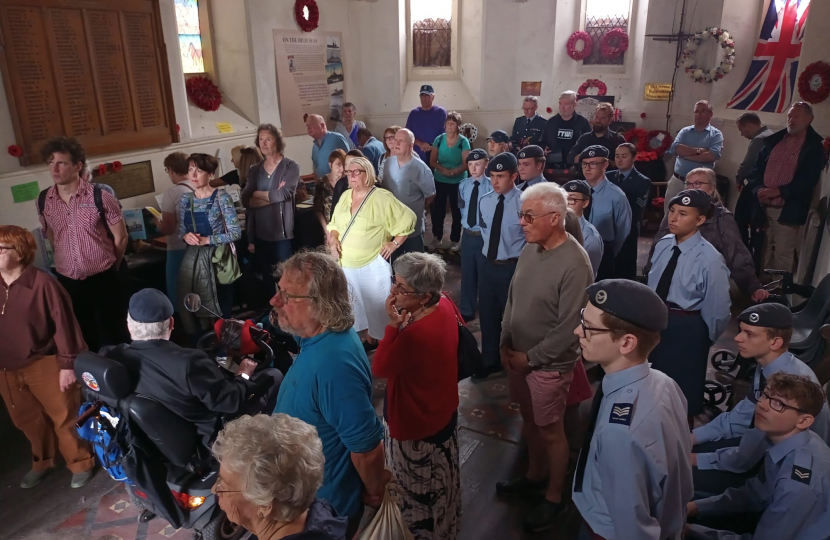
<point>470,192</point>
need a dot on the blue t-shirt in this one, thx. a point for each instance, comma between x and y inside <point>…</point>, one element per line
<point>320,153</point>
<point>330,387</point>
<point>426,125</point>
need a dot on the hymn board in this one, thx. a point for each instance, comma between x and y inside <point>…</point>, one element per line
<point>95,70</point>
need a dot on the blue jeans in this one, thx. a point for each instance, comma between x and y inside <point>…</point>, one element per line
<point>471,261</point>
<point>174,262</point>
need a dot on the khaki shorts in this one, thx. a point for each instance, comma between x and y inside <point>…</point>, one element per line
<point>543,392</point>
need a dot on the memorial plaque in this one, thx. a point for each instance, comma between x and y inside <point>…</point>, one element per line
<point>657,91</point>
<point>133,179</point>
<point>94,70</point>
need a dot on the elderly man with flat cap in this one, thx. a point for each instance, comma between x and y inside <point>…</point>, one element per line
<point>531,166</point>
<point>187,381</point>
<point>609,212</point>
<point>498,142</point>
<point>633,477</point>
<point>729,449</point>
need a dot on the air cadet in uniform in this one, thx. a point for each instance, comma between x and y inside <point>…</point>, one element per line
<point>633,477</point>
<point>793,495</point>
<point>470,192</point>
<point>498,142</point>
<point>689,274</point>
<point>609,212</point>
<point>636,187</point>
<point>579,198</point>
<point>528,128</point>
<point>531,166</point>
<point>727,449</point>
<point>503,240</point>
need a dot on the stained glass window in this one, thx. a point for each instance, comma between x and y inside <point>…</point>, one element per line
<point>190,35</point>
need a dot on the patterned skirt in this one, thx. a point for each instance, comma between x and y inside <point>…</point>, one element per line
<point>429,485</point>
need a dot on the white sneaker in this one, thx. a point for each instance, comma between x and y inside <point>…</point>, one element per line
<point>454,247</point>
<point>433,245</point>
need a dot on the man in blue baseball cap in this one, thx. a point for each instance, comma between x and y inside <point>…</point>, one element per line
<point>426,122</point>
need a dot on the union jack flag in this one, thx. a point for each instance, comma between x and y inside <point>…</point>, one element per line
<point>768,85</point>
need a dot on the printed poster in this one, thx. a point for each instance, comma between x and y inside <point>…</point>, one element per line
<point>310,77</point>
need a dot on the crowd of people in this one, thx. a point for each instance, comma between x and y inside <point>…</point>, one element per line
<point>548,267</point>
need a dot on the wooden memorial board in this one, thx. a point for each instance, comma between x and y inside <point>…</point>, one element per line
<point>133,179</point>
<point>94,70</point>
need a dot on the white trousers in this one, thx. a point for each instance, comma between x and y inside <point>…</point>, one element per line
<point>368,288</point>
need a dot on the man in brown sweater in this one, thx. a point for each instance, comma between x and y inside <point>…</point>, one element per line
<point>538,347</point>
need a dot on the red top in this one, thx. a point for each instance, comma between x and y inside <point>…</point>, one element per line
<point>82,248</point>
<point>421,365</point>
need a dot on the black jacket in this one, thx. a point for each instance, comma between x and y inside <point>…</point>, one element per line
<point>185,381</point>
<point>798,194</point>
<point>636,187</point>
<point>322,524</point>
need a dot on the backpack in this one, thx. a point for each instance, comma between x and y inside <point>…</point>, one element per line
<point>99,204</point>
<point>109,434</point>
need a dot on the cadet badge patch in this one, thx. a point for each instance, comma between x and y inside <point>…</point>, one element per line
<point>621,414</point>
<point>800,474</point>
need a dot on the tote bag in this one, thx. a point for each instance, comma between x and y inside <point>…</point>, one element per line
<point>388,523</point>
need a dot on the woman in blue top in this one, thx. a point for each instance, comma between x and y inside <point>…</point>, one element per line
<point>207,219</point>
<point>449,161</point>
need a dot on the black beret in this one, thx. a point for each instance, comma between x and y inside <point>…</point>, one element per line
<point>476,154</point>
<point>770,315</point>
<point>694,198</point>
<point>149,306</point>
<point>531,151</point>
<point>499,136</point>
<point>578,186</point>
<point>503,162</point>
<point>630,301</point>
<point>594,150</point>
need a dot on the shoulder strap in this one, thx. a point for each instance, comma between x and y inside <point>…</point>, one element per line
<point>351,221</point>
<point>102,212</point>
<point>41,201</point>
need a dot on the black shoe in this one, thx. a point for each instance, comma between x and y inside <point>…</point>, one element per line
<point>520,487</point>
<point>468,318</point>
<point>543,516</point>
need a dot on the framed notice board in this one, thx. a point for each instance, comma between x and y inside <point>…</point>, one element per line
<point>95,70</point>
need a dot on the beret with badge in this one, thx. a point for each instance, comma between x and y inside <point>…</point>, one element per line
<point>630,301</point>
<point>770,315</point>
<point>594,150</point>
<point>532,151</point>
<point>476,154</point>
<point>578,186</point>
<point>693,198</point>
<point>150,306</point>
<point>503,162</point>
<point>499,136</point>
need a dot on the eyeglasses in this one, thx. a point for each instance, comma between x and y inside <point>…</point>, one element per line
<point>284,296</point>
<point>397,288</point>
<point>695,185</point>
<point>572,200</point>
<point>586,328</point>
<point>218,485</point>
<point>776,404</point>
<point>354,173</point>
<point>594,165</point>
<point>4,249</point>
<point>527,216</point>
<point>389,138</point>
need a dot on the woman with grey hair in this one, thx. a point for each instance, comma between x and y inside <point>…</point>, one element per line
<point>270,469</point>
<point>418,357</point>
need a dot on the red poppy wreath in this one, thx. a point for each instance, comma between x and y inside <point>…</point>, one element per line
<point>607,49</point>
<point>814,82</point>
<point>203,93</point>
<point>587,45</point>
<point>592,83</point>
<point>310,24</point>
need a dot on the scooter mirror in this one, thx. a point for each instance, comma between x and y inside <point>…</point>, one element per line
<point>192,302</point>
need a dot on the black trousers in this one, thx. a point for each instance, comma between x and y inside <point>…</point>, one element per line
<point>444,192</point>
<point>413,244</point>
<point>100,305</point>
<point>607,268</point>
<point>625,264</point>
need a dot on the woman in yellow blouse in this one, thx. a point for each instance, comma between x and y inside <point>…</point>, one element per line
<point>367,226</point>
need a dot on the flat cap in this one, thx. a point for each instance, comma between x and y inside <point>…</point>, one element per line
<point>499,136</point>
<point>578,186</point>
<point>770,315</point>
<point>426,89</point>
<point>149,306</point>
<point>630,301</point>
<point>476,154</point>
<point>531,151</point>
<point>694,198</point>
<point>594,150</point>
<point>503,162</point>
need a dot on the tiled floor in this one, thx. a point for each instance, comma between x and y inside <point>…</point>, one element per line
<point>490,449</point>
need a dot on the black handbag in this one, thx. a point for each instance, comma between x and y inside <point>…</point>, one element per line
<point>469,356</point>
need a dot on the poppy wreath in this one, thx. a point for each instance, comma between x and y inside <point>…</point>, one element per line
<point>310,24</point>
<point>814,82</point>
<point>203,93</point>
<point>592,83</point>
<point>607,49</point>
<point>664,145</point>
<point>587,45</point>
<point>639,138</point>
<point>15,151</point>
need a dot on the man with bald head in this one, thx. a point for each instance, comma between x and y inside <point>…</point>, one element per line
<point>325,142</point>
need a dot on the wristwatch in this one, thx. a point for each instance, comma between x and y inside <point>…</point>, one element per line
<point>397,244</point>
<point>699,150</point>
<point>245,376</point>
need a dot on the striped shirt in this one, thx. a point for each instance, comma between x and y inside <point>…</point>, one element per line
<point>81,245</point>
